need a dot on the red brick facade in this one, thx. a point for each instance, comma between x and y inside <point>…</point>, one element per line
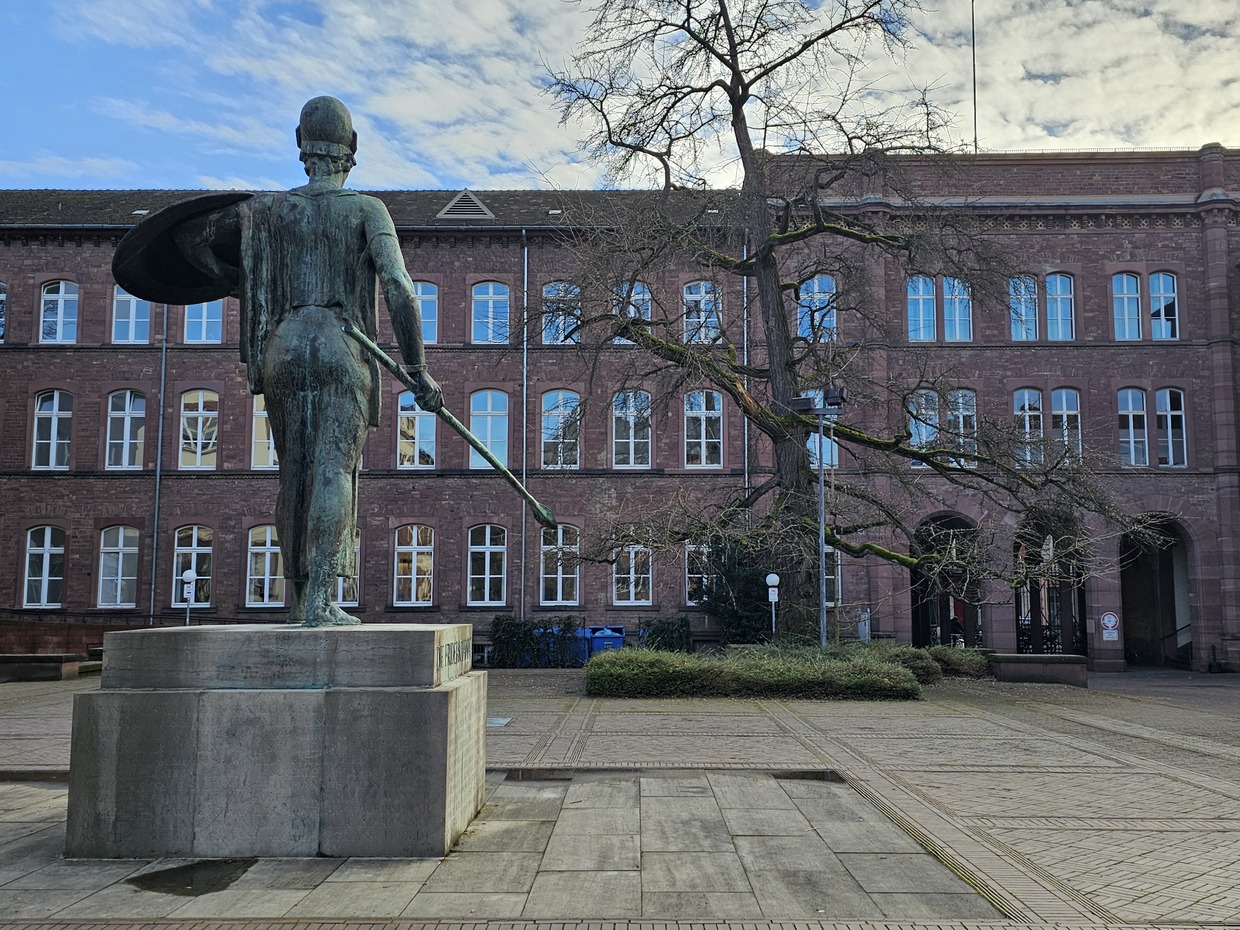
<point>1088,217</point>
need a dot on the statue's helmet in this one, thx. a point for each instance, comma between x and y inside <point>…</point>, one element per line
<point>326,128</point>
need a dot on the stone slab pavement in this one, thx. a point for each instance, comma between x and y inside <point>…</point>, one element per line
<point>987,804</point>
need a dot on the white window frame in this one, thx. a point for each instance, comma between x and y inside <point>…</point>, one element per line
<point>821,440</point>
<point>1126,306</point>
<point>631,409</point>
<point>58,313</point>
<point>487,566</point>
<point>118,567</point>
<point>633,301</point>
<point>4,309</point>
<point>960,422</point>
<point>413,566</point>
<point>126,431</point>
<point>1172,427</point>
<point>490,313</point>
<point>1134,448</point>
<point>835,577</point>
<point>561,313</point>
<point>1060,307</point>
<point>264,577</point>
<point>351,576</point>
<point>201,321</point>
<point>1164,307</point>
<point>1066,420</point>
<point>923,421</point>
<point>488,420</point>
<point>415,434</point>
<point>703,412</point>
<point>428,308</point>
<point>52,444</point>
<point>957,311</point>
<point>263,456</point>
<point>561,429</point>
<point>1023,307</point>
<point>628,577</point>
<point>559,574</point>
<point>920,305</point>
<point>199,431</point>
<point>697,573</point>
<point>193,547</point>
<point>816,319</point>
<point>41,553</point>
<point>131,318</point>
<point>702,312</point>
<point>1027,411</point>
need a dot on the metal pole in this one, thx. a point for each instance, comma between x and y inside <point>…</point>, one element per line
<point>835,558</point>
<point>822,543</point>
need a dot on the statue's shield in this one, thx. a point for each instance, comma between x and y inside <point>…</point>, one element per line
<point>149,264</point>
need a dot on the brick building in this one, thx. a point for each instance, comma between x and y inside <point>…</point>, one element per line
<point>131,450</point>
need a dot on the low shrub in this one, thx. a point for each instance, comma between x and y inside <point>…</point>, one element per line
<point>668,634</point>
<point>548,642</point>
<point>961,663</point>
<point>917,661</point>
<point>748,672</point>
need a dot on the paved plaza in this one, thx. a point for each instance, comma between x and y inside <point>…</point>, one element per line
<point>986,804</point>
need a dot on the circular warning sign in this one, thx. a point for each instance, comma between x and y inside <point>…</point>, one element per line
<point>1110,621</point>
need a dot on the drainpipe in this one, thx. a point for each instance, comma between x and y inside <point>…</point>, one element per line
<point>745,360</point>
<point>159,465</point>
<point>525,393</point>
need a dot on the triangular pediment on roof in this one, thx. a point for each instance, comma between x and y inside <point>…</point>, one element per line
<point>465,206</point>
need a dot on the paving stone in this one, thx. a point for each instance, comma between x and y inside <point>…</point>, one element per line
<point>685,832</point>
<point>902,872</point>
<point>609,894</point>
<point>799,894</point>
<point>35,903</point>
<point>85,874</point>
<point>506,836</point>
<point>807,853</point>
<point>935,906</point>
<point>485,872</point>
<point>681,785</point>
<point>768,822</point>
<point>478,905</point>
<point>839,810</point>
<point>599,792</point>
<point>355,899</point>
<point>414,871</point>
<point>245,902</point>
<point>748,792</point>
<point>693,871</point>
<point>600,820</point>
<point>122,901</point>
<point>591,852</point>
<point>699,905</point>
<point>865,837</point>
<point>287,874</point>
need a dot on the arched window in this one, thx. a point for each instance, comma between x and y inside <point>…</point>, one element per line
<point>1060,313</point>
<point>488,420</point>
<point>816,309</point>
<point>415,431</point>
<point>631,429</point>
<point>632,577</point>
<point>921,315</point>
<point>59,312</point>
<point>1027,410</point>
<point>1133,448</point>
<point>53,422</point>
<point>263,445</point>
<point>1164,314</point>
<point>632,301</point>
<point>1023,307</point>
<point>200,414</point>
<point>118,567</point>
<point>561,313</point>
<point>702,319</point>
<point>1172,436</point>
<point>561,428</point>
<point>698,573</point>
<point>45,567</point>
<point>131,318</point>
<point>1126,305</point>
<point>957,311</point>
<point>961,422</point>
<point>414,573</point>
<point>192,550</point>
<point>704,429</point>
<point>204,323</point>
<point>923,421</point>
<point>265,575</point>
<point>490,312</point>
<point>428,307</point>
<point>560,548</point>
<point>126,430</point>
<point>488,565</point>
<point>1066,420</point>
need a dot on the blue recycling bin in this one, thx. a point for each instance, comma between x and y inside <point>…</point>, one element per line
<point>604,638</point>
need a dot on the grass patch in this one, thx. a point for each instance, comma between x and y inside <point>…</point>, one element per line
<point>751,671</point>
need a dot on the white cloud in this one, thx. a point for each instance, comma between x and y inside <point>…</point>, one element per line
<point>48,165</point>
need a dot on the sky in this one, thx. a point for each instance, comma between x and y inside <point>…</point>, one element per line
<point>448,94</point>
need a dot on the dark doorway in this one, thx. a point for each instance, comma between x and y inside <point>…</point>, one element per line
<point>1157,623</point>
<point>1049,597</point>
<point>945,600</point>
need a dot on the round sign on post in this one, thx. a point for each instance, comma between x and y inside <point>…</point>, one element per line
<point>1110,626</point>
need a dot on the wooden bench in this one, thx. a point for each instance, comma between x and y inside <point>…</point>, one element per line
<point>1051,668</point>
<point>39,666</point>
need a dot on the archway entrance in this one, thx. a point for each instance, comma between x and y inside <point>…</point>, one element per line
<point>945,601</point>
<point>1048,596</point>
<point>1158,628</point>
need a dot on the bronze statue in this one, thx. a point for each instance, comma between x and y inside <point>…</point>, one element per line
<point>304,264</point>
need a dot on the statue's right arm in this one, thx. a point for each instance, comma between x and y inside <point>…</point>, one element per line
<point>196,236</point>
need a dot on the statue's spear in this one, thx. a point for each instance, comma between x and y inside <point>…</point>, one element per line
<point>541,513</point>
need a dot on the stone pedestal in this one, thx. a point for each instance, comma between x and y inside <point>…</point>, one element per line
<point>279,741</point>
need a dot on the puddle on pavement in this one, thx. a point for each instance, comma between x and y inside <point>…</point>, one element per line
<point>194,878</point>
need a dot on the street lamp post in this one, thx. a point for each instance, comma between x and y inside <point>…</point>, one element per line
<point>772,595</point>
<point>188,580</point>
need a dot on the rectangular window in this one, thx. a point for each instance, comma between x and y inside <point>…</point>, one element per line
<point>1130,405</point>
<point>118,567</point>
<point>697,574</point>
<point>962,424</point>
<point>1066,420</point>
<point>488,420</point>
<point>265,578</point>
<point>1027,410</point>
<point>45,567</point>
<point>561,428</point>
<point>631,577</point>
<point>204,323</point>
<point>921,310</point>
<point>415,444</point>
<point>490,313</point>
<point>415,564</point>
<point>126,430</point>
<point>704,429</point>
<point>59,313</point>
<point>1164,317</point>
<point>561,319</point>
<point>1023,307</point>
<point>263,447</point>
<point>488,565</point>
<point>923,421</point>
<point>1126,306</point>
<point>348,582</point>
<point>1172,438</point>
<point>1059,308</point>
<point>200,411</point>
<point>560,548</point>
<point>631,429</point>
<point>702,319</point>
<point>53,421</point>
<point>428,307</point>
<point>957,311</point>
<point>131,318</point>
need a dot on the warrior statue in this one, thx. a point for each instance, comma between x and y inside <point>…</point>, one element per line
<point>304,264</point>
